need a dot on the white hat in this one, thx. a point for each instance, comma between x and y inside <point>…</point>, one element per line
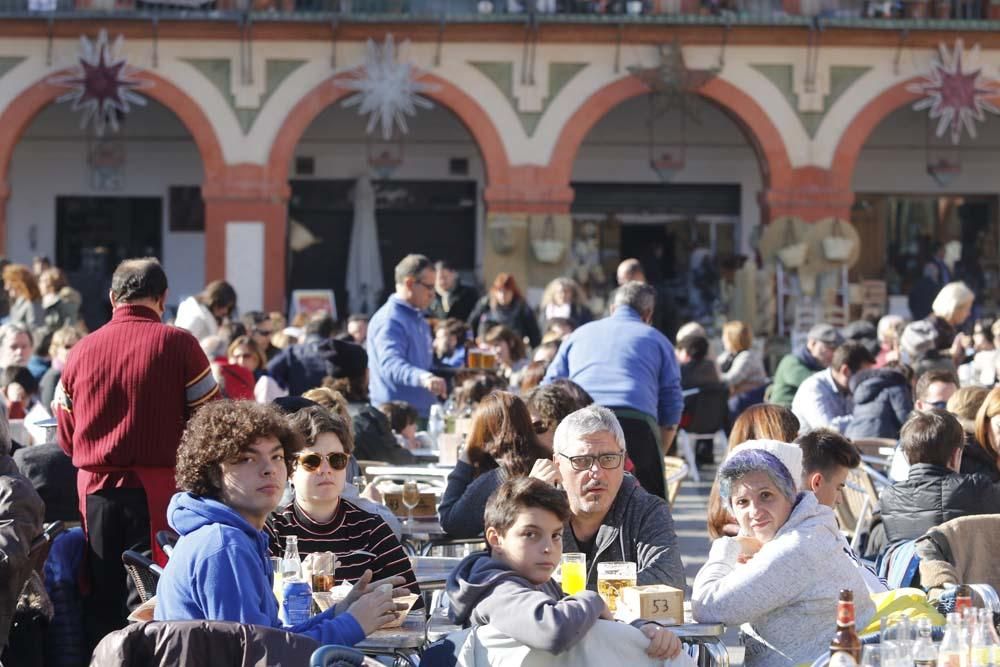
<point>789,455</point>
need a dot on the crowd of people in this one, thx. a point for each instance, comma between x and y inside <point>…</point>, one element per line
<point>238,432</point>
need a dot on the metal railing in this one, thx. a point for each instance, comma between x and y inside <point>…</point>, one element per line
<point>584,11</point>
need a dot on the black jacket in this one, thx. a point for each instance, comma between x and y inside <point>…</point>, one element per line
<point>931,495</point>
<point>373,438</point>
<point>462,300</point>
<point>517,317</point>
<point>882,403</point>
<point>975,459</point>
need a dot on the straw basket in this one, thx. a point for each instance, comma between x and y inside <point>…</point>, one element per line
<point>837,248</point>
<point>548,251</point>
<point>794,255</point>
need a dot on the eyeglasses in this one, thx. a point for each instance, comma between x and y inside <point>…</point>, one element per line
<point>262,332</point>
<point>939,405</point>
<point>586,462</point>
<point>428,287</point>
<point>312,462</point>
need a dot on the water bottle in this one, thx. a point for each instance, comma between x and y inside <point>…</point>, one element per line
<point>954,650</point>
<point>925,653</point>
<point>435,424</point>
<point>296,602</point>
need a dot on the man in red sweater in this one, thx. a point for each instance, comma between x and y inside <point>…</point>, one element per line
<point>124,398</point>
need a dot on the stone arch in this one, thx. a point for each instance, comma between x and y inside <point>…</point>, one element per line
<point>472,115</point>
<point>845,157</point>
<point>768,145</point>
<point>18,115</point>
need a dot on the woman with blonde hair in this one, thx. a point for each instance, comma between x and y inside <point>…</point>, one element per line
<point>889,330</point>
<point>563,299</point>
<point>758,422</point>
<point>988,433</point>
<point>25,297</point>
<point>741,367</point>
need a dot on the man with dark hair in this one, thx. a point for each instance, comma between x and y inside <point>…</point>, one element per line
<point>301,367</point>
<point>548,406</point>
<point>934,492</point>
<point>260,327</point>
<point>232,467</point>
<point>630,367</point>
<point>696,369</point>
<point>452,299</point>
<point>122,402</point>
<point>933,389</point>
<point>400,348</point>
<point>824,398</point>
<point>449,343</point>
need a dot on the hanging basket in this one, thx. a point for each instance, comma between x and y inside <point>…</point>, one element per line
<point>793,256</point>
<point>548,249</point>
<point>837,248</point>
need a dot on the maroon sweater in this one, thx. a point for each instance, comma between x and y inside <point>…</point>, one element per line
<point>126,394</point>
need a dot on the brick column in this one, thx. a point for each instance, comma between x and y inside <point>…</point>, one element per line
<point>4,197</point>
<point>246,223</point>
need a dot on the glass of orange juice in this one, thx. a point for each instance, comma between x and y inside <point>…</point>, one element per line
<point>574,573</point>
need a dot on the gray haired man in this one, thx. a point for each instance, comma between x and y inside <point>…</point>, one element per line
<point>627,365</point>
<point>613,518</point>
<point>16,343</point>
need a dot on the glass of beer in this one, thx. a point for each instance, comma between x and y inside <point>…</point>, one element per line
<point>488,360</point>
<point>612,577</point>
<point>475,357</point>
<point>322,565</point>
<point>574,573</point>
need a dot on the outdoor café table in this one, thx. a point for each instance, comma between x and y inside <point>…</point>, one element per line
<point>432,573</point>
<point>419,532</point>
<point>403,643</point>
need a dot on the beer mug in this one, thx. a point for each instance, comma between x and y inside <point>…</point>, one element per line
<point>475,357</point>
<point>322,566</point>
<point>612,577</point>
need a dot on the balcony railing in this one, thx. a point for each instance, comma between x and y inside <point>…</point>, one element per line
<point>925,13</point>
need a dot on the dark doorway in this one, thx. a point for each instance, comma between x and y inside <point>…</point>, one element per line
<point>434,218</point>
<point>94,234</point>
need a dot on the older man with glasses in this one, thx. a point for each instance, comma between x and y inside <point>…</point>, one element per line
<point>613,517</point>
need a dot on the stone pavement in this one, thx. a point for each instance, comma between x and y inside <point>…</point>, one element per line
<point>690,513</point>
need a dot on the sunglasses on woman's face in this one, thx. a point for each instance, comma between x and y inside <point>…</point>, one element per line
<point>539,427</point>
<point>312,462</point>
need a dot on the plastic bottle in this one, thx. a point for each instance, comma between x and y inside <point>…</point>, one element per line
<point>296,602</point>
<point>925,653</point>
<point>435,424</point>
<point>954,650</point>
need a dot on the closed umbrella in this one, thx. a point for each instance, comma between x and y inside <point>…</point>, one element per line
<point>364,261</point>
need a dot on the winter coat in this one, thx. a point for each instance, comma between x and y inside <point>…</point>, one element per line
<point>65,640</point>
<point>484,591</point>
<point>21,514</point>
<point>194,316</point>
<point>517,317</point>
<point>791,372</point>
<point>373,437</point>
<point>882,403</point>
<point>220,570</point>
<point>28,313</point>
<point>197,643</point>
<point>975,459</point>
<point>742,371</point>
<point>461,300</point>
<point>931,495</point>
<point>786,595</point>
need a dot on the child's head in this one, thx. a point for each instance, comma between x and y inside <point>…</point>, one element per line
<point>827,460</point>
<point>402,418</point>
<point>524,525</point>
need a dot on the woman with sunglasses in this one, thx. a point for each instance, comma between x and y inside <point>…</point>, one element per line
<point>502,444</point>
<point>322,519</point>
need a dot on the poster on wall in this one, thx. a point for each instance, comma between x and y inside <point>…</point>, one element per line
<point>312,301</point>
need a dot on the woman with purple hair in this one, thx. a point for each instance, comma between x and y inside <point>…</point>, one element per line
<point>781,576</point>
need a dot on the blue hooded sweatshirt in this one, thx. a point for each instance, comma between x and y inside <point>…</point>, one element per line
<point>220,570</point>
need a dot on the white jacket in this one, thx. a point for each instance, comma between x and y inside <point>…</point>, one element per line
<point>195,317</point>
<point>606,643</point>
<point>786,595</point>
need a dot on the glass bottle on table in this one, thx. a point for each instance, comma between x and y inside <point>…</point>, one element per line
<point>954,649</point>
<point>291,563</point>
<point>845,649</point>
<point>411,498</point>
<point>925,653</point>
<point>985,645</point>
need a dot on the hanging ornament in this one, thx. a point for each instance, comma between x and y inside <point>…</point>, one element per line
<point>956,98</point>
<point>672,80</point>
<point>101,84</point>
<point>387,90</point>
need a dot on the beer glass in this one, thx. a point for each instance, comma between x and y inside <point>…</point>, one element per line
<point>574,573</point>
<point>322,566</point>
<point>612,577</point>
<point>475,358</point>
<point>488,360</point>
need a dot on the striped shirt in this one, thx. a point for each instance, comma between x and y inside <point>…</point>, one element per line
<point>351,529</point>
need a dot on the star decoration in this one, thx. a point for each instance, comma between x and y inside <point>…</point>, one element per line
<point>671,81</point>
<point>957,98</point>
<point>387,91</point>
<point>102,83</point>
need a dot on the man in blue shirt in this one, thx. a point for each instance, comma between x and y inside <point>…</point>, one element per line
<point>400,351</point>
<point>627,365</point>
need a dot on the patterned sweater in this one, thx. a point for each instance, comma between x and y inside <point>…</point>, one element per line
<point>351,529</point>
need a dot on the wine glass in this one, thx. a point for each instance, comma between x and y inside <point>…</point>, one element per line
<point>411,498</point>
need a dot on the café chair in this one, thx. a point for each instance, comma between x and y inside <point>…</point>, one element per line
<point>145,574</point>
<point>341,656</point>
<point>167,539</point>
